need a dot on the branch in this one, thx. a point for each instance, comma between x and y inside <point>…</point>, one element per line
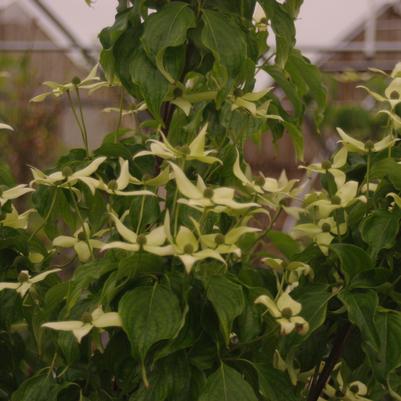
<point>335,354</point>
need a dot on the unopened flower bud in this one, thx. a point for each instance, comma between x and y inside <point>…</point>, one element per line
<point>82,236</point>
<point>23,276</point>
<point>259,180</point>
<point>354,388</point>
<point>185,149</point>
<point>286,313</point>
<point>369,145</point>
<point>208,193</point>
<point>326,164</point>
<point>76,81</point>
<point>141,240</point>
<point>177,92</point>
<point>219,239</point>
<point>336,200</point>
<point>326,228</point>
<point>67,171</point>
<point>86,317</point>
<point>188,249</point>
<point>112,184</point>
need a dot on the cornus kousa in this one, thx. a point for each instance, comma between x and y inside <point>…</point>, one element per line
<point>67,178</point>
<point>82,241</point>
<point>332,167</point>
<point>151,242</point>
<point>270,191</point>
<point>353,145</point>
<point>286,312</point>
<point>80,328</point>
<point>135,271</point>
<point>188,248</point>
<point>7,194</point>
<point>203,197</point>
<point>58,89</point>
<point>194,151</point>
<point>26,281</point>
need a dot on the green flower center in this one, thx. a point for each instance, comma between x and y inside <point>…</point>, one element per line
<point>86,317</point>
<point>141,240</point>
<point>336,200</point>
<point>394,95</point>
<point>23,277</point>
<point>185,149</point>
<point>82,236</point>
<point>369,145</point>
<point>67,171</point>
<point>177,92</point>
<point>354,389</point>
<point>326,164</point>
<point>112,184</point>
<point>286,313</point>
<point>339,394</point>
<point>298,327</point>
<point>326,228</point>
<point>76,81</point>
<point>259,180</point>
<point>237,92</point>
<point>188,249</point>
<point>219,239</point>
<point>208,193</point>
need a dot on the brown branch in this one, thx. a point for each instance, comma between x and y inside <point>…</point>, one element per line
<point>335,354</point>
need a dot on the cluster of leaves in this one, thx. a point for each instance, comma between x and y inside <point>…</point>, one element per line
<point>161,291</point>
<point>181,58</point>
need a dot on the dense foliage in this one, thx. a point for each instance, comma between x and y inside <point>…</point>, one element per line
<point>141,270</point>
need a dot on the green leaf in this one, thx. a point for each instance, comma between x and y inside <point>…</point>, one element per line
<point>217,36</point>
<point>274,385</point>
<point>361,307</point>
<point>226,384</point>
<point>388,358</point>
<point>167,28</point>
<point>297,139</point>
<point>227,299</point>
<point>153,86</point>
<point>380,230</point>
<point>6,176</point>
<point>353,260</point>
<point>308,80</point>
<point>372,278</point>
<point>124,54</point>
<point>284,243</point>
<point>109,37</point>
<point>293,7</point>
<point>282,79</point>
<point>116,150</point>
<point>149,315</point>
<point>283,28</point>
<point>38,388</point>
<point>314,299</point>
<point>387,168</point>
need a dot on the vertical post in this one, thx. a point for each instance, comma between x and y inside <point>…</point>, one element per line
<point>370,30</point>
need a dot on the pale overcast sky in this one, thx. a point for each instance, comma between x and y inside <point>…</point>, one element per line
<point>320,23</point>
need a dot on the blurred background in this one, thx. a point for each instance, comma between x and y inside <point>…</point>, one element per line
<point>57,40</point>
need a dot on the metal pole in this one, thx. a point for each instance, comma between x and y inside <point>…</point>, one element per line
<point>74,40</point>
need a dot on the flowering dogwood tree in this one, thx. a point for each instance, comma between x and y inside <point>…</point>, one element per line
<point>151,268</point>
